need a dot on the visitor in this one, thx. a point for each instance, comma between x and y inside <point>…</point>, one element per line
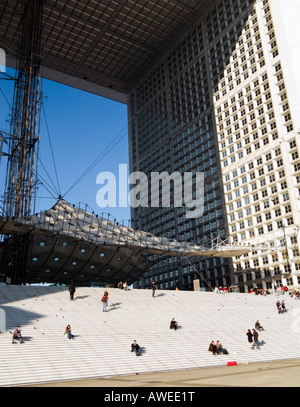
<point>278,305</point>
<point>173,324</point>
<point>104,301</point>
<point>135,348</point>
<point>17,335</point>
<point>255,338</point>
<point>68,331</point>
<point>250,336</point>
<point>72,290</point>
<point>153,287</point>
<point>220,349</point>
<point>213,348</point>
<point>258,326</point>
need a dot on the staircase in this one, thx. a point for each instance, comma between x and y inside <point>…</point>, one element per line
<point>101,347</point>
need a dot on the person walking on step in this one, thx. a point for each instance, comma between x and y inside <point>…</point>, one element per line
<point>72,290</point>
<point>278,305</point>
<point>135,348</point>
<point>255,338</point>
<point>153,287</point>
<point>104,301</point>
<point>250,337</point>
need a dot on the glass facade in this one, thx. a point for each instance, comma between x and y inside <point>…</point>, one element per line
<point>217,103</point>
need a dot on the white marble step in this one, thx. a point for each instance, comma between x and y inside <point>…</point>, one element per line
<point>101,346</point>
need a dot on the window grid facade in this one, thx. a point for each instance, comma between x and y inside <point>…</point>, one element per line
<point>259,155</point>
<point>218,103</point>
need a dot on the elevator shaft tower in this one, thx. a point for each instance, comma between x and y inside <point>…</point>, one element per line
<point>21,175</point>
<point>23,141</point>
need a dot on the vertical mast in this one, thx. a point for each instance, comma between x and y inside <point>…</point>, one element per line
<point>21,177</point>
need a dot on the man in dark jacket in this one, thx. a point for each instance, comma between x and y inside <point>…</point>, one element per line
<point>72,290</point>
<point>135,348</point>
<point>255,337</point>
<point>173,324</point>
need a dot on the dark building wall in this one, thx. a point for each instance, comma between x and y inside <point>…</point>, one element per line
<point>172,128</point>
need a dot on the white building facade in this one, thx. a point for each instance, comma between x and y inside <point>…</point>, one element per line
<point>225,101</point>
<point>257,116</point>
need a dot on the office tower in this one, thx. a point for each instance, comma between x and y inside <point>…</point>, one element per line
<point>224,101</point>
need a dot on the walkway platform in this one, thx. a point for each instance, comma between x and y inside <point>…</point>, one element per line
<point>101,347</point>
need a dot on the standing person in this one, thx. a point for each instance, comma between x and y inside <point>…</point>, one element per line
<point>283,306</point>
<point>250,336</point>
<point>286,290</point>
<point>255,338</point>
<point>72,290</point>
<point>104,301</point>
<point>275,289</point>
<point>153,286</point>
<point>135,348</point>
<point>278,305</point>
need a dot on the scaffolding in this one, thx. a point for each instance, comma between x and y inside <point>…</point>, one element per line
<point>23,140</point>
<point>21,179</point>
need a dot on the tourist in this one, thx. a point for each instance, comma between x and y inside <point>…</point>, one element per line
<point>220,349</point>
<point>68,331</point>
<point>250,336</point>
<point>255,338</point>
<point>135,348</point>
<point>213,348</point>
<point>72,290</point>
<point>104,301</point>
<point>153,287</point>
<point>17,335</point>
<point>173,324</point>
<point>278,305</point>
<point>258,326</point>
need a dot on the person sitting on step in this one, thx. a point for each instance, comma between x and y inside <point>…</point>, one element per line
<point>173,324</point>
<point>17,335</point>
<point>220,349</point>
<point>213,348</point>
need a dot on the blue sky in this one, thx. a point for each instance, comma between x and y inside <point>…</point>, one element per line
<point>79,127</point>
